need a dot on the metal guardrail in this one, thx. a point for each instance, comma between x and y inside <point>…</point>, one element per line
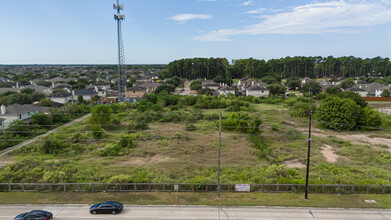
<point>191,187</point>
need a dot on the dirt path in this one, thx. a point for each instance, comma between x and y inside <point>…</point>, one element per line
<point>9,150</point>
<point>294,164</point>
<point>361,139</point>
<point>328,153</point>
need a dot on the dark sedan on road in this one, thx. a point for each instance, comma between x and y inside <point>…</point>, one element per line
<point>106,208</point>
<point>35,215</point>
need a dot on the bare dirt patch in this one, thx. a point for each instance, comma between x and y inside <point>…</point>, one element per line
<point>361,139</point>
<point>141,161</point>
<point>328,153</point>
<point>167,129</point>
<point>294,164</point>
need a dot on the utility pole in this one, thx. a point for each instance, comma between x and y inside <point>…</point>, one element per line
<point>121,55</point>
<point>218,160</point>
<point>309,145</point>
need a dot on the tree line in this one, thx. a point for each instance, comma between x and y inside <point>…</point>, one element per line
<point>298,66</point>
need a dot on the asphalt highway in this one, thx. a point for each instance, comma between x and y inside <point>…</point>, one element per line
<point>67,212</point>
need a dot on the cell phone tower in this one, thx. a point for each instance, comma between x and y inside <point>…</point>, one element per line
<point>121,55</point>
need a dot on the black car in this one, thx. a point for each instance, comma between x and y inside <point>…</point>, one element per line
<point>35,215</point>
<point>106,208</point>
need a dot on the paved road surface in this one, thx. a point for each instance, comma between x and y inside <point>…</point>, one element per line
<point>67,212</point>
<point>9,150</point>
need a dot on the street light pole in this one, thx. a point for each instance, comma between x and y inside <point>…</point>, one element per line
<point>309,145</point>
<point>218,160</point>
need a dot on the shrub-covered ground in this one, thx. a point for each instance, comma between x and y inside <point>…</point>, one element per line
<point>170,139</point>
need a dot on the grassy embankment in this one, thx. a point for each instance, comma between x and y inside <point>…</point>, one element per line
<point>210,199</point>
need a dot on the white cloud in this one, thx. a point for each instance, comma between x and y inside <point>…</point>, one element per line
<point>326,17</point>
<point>183,18</point>
<point>256,11</point>
<point>248,3</point>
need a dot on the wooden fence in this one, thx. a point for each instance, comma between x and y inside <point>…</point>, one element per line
<point>191,187</point>
<point>377,99</point>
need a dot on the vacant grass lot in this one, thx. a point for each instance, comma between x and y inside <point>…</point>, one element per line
<point>168,152</point>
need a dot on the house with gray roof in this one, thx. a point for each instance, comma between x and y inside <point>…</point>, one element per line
<point>43,89</point>
<point>86,93</point>
<point>135,92</point>
<point>57,79</point>
<point>151,86</point>
<point>360,91</point>
<point>3,79</point>
<point>3,90</point>
<point>210,84</point>
<point>20,112</point>
<point>61,97</point>
<point>374,89</point>
<point>257,91</point>
<point>226,90</point>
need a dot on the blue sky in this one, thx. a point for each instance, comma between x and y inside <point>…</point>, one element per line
<point>160,31</point>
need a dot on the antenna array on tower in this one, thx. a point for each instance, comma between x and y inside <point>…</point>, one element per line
<point>121,55</point>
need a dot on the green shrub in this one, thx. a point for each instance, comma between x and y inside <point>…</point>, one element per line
<point>275,127</point>
<point>194,116</point>
<point>139,125</point>
<point>157,108</point>
<point>111,150</point>
<point>290,101</point>
<point>50,146</point>
<point>213,116</point>
<point>97,131</point>
<point>196,85</point>
<point>263,149</point>
<point>292,134</point>
<point>370,119</point>
<point>191,127</point>
<point>101,115</point>
<point>300,109</point>
<point>126,142</point>
<point>347,114</point>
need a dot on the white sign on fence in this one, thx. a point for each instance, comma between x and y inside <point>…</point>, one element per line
<point>176,187</point>
<point>242,187</point>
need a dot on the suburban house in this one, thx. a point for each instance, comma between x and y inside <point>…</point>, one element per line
<point>257,91</point>
<point>101,86</point>
<point>63,86</point>
<point>43,89</point>
<point>226,90</point>
<point>20,112</point>
<point>243,81</point>
<point>22,85</point>
<point>210,85</point>
<point>57,80</point>
<point>101,92</point>
<point>324,84</point>
<point>246,86</point>
<point>61,97</point>
<point>360,91</point>
<point>151,86</point>
<point>3,79</point>
<point>109,100</point>
<point>3,90</point>
<point>135,92</point>
<point>360,82</point>
<point>143,78</point>
<point>374,89</point>
<point>87,94</point>
<point>306,80</point>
